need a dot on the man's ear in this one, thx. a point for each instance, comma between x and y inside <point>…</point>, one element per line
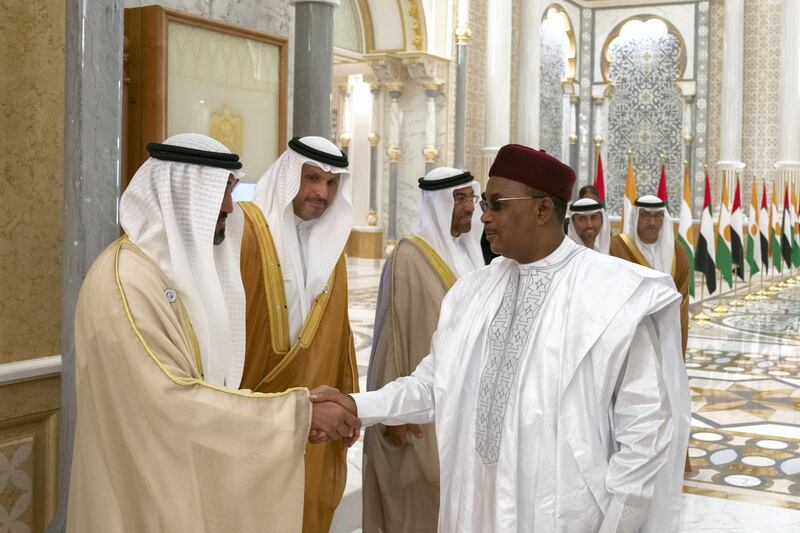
<point>545,210</point>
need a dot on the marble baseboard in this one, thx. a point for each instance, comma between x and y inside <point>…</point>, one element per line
<point>29,446</point>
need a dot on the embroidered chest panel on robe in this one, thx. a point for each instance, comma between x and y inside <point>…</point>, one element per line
<point>508,336</point>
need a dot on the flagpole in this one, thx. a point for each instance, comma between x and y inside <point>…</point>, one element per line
<point>720,309</point>
<point>701,315</point>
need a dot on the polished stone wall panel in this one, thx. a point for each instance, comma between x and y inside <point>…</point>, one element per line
<point>715,33</point>
<point>476,88</point>
<point>761,91</point>
<point>31,167</point>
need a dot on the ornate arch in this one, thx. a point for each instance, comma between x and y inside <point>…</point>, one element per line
<point>572,50</point>
<point>605,59</point>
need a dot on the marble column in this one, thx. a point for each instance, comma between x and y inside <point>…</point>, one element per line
<point>687,127</point>
<point>599,130</point>
<point>790,91</point>
<point>92,122</point>
<point>730,150</point>
<point>573,131</point>
<point>374,142</point>
<point>463,35</point>
<point>498,81</point>
<point>529,72</point>
<point>345,120</point>
<point>313,66</point>
<point>430,152</point>
<point>393,152</point>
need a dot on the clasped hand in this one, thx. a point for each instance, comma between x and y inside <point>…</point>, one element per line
<point>334,417</point>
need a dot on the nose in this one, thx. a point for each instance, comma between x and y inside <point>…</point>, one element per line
<point>486,217</point>
<point>227,202</point>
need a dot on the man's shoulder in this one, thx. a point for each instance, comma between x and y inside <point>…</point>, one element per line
<point>601,266</point>
<point>122,266</point>
<point>408,254</point>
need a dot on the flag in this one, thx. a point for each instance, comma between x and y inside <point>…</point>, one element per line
<point>685,237</point>
<point>723,256</point>
<point>775,230</point>
<point>662,184</point>
<point>737,251</point>
<point>599,182</point>
<point>786,223</point>
<point>704,249</point>
<point>763,228</point>
<point>630,192</point>
<point>795,228</point>
<point>753,238</point>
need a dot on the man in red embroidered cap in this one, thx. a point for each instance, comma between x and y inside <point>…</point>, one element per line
<point>548,417</point>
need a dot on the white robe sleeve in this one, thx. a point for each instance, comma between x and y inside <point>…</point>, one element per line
<point>406,400</point>
<point>642,431</point>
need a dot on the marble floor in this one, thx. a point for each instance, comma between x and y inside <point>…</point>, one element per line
<point>744,374</point>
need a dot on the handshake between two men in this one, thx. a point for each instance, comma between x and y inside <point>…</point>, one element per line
<point>334,417</point>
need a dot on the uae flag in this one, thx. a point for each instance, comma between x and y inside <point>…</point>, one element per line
<point>775,230</point>
<point>723,256</point>
<point>599,182</point>
<point>630,192</point>
<point>704,249</point>
<point>753,238</point>
<point>737,251</point>
<point>786,234</point>
<point>685,237</point>
<point>763,228</point>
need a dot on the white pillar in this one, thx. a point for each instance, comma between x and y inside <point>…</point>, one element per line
<point>687,127</point>
<point>790,86</point>
<point>430,152</point>
<point>730,149</point>
<point>345,118</point>
<point>530,58</point>
<point>498,80</point>
<point>789,157</point>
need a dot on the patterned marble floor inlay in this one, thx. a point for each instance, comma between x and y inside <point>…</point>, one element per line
<point>744,466</point>
<point>744,378</point>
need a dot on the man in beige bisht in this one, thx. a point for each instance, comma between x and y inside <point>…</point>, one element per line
<point>401,472</point>
<point>648,239</point>
<point>164,441</point>
<point>295,282</point>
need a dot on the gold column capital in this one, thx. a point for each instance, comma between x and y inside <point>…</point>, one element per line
<point>463,35</point>
<point>394,153</point>
<point>344,140</point>
<point>430,153</point>
<point>372,218</point>
<point>374,139</point>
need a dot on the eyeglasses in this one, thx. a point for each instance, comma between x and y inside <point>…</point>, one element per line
<point>496,204</point>
<point>651,216</point>
<point>464,198</point>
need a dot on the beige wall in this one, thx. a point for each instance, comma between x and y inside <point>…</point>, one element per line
<point>31,154</point>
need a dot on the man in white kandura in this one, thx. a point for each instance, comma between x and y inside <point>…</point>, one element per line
<point>401,472</point>
<point>588,225</point>
<point>547,420</point>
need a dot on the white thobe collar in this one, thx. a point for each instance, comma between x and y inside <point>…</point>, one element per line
<point>303,228</point>
<point>558,255</point>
